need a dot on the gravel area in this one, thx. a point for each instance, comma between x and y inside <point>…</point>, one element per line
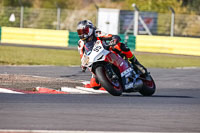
<point>28,83</point>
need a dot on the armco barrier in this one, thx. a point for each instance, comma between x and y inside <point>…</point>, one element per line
<point>171,45</point>
<point>73,40</point>
<point>42,37</point>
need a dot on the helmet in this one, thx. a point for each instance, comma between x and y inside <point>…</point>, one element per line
<point>85,29</point>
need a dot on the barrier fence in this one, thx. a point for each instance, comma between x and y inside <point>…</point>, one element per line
<point>64,19</point>
<point>60,19</point>
<point>164,24</point>
<point>171,45</point>
<point>28,36</point>
<point>64,38</point>
<point>44,37</point>
<point>56,27</point>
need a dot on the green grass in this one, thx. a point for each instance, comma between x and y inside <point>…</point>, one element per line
<point>10,55</point>
<point>168,61</point>
<point>37,56</point>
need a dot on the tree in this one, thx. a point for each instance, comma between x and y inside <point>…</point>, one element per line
<point>15,3</point>
<point>193,5</point>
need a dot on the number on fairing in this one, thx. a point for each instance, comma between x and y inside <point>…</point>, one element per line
<point>97,48</point>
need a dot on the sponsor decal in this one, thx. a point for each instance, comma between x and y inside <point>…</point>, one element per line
<point>127,71</point>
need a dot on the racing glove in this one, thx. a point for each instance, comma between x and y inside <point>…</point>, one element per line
<point>83,68</point>
<point>115,39</point>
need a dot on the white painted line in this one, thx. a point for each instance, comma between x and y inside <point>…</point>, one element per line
<point>66,131</point>
<point>74,90</point>
<point>3,90</point>
<point>91,90</point>
<point>82,90</point>
<point>187,68</point>
<point>86,82</point>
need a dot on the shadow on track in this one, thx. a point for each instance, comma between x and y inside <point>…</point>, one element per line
<point>158,96</point>
<point>72,75</point>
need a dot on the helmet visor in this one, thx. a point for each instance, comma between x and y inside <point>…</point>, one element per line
<point>83,31</point>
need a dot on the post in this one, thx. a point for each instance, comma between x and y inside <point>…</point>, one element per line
<point>172,21</point>
<point>21,16</point>
<point>97,12</point>
<point>58,18</point>
<point>136,16</point>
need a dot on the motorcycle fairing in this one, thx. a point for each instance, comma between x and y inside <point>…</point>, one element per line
<point>116,60</point>
<point>97,53</point>
<point>126,71</point>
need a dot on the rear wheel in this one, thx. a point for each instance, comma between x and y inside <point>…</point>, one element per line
<point>114,87</point>
<point>149,86</point>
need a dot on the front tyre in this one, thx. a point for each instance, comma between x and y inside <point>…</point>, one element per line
<point>113,87</point>
<point>149,86</point>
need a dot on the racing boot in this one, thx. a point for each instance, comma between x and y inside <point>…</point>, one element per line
<point>93,84</point>
<point>138,66</point>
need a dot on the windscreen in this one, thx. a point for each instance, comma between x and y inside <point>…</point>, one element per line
<point>88,47</point>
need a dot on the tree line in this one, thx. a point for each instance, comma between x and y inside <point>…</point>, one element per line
<point>180,6</point>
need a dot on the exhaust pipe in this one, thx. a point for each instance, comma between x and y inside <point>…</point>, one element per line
<point>138,84</point>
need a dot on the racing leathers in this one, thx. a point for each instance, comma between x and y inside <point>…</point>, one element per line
<point>116,46</point>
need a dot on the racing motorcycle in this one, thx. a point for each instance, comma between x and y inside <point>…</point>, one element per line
<point>115,73</point>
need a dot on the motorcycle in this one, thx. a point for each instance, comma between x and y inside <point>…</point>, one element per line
<point>114,73</point>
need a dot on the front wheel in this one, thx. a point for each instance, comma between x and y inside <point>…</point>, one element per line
<point>149,86</point>
<point>114,87</point>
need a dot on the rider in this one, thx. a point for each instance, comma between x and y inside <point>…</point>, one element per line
<point>87,32</point>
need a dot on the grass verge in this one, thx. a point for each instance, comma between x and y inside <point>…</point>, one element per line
<point>10,55</point>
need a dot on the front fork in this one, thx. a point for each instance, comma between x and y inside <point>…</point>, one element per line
<point>110,72</point>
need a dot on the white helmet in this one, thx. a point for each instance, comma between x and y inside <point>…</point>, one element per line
<point>85,29</point>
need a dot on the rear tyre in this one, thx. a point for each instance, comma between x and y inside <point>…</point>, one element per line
<point>114,88</point>
<point>149,86</point>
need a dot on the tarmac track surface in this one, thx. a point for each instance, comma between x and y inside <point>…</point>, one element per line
<point>175,107</point>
